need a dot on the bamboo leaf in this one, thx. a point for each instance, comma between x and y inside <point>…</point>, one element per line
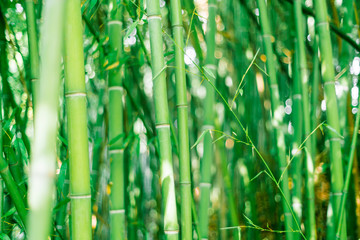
<point>63,140</point>
<point>4,236</point>
<point>257,175</point>
<point>115,139</point>
<point>112,66</point>
<point>239,90</point>
<point>131,28</point>
<point>333,130</point>
<point>9,213</point>
<point>169,53</point>
<point>60,204</point>
<point>200,138</point>
<point>209,72</point>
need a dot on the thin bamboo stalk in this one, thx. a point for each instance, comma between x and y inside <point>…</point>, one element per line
<point>182,110</point>
<point>297,122</point>
<point>33,47</point>
<point>332,116</point>
<point>42,169</point>
<point>341,213</point>
<point>4,168</point>
<point>277,115</point>
<point>209,110</point>
<point>309,166</point>
<point>171,228</point>
<point>75,95</point>
<point>116,126</point>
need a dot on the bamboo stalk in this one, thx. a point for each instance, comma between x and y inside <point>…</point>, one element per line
<point>116,126</point>
<point>277,115</point>
<point>205,175</point>
<point>345,189</point>
<point>42,169</point>
<point>4,168</point>
<point>162,125</point>
<point>75,95</point>
<point>33,47</point>
<point>332,116</point>
<point>309,162</point>
<point>183,130</point>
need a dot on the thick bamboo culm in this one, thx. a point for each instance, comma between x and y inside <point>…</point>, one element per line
<point>209,110</point>
<point>308,160</point>
<point>76,113</point>
<point>43,156</point>
<point>332,117</point>
<point>171,227</point>
<point>183,130</point>
<point>116,129</point>
<point>277,116</point>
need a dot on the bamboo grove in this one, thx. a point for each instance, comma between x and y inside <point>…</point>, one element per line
<point>179,119</point>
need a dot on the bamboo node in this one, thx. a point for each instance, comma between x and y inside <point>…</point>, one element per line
<point>80,196</point>
<point>117,211</point>
<point>164,125</point>
<point>171,232</point>
<point>113,151</point>
<point>75,94</point>
<point>204,184</point>
<point>154,17</point>
<point>329,82</point>
<point>115,22</point>
<point>337,194</point>
<point>322,23</point>
<point>182,105</point>
<point>335,139</point>
<point>185,183</point>
<point>116,88</point>
<point>34,79</point>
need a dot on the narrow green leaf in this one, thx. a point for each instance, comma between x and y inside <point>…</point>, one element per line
<point>257,175</point>
<point>117,138</point>
<point>200,138</point>
<point>209,72</point>
<point>131,28</point>
<point>9,213</point>
<point>4,236</point>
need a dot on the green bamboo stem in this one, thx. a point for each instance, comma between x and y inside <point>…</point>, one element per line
<point>42,169</point>
<point>341,213</point>
<point>315,91</point>
<point>277,115</point>
<point>116,127</point>
<point>4,168</point>
<point>171,228</point>
<point>75,95</point>
<point>309,162</point>
<point>209,113</point>
<point>332,116</point>
<point>308,11</point>
<point>182,110</point>
<point>15,167</point>
<point>33,47</point>
<point>297,120</point>
<point>228,186</point>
